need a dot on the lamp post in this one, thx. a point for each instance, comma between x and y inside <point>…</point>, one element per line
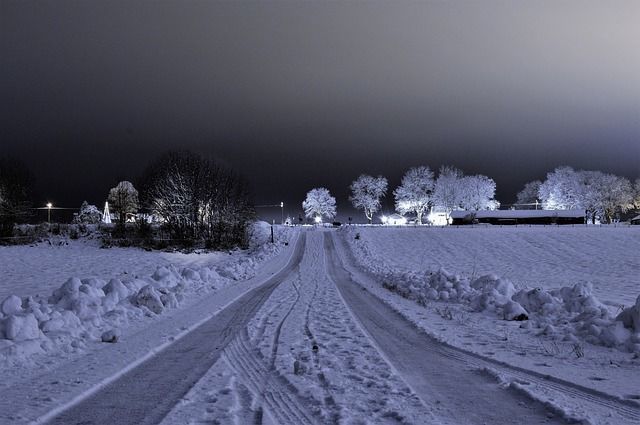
<point>282,212</point>
<point>49,206</point>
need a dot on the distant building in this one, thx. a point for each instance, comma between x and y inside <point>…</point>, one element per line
<point>394,220</point>
<point>507,217</point>
<point>437,216</point>
<point>635,220</point>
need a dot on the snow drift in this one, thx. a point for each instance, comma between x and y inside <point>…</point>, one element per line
<point>83,310</point>
<point>570,313</point>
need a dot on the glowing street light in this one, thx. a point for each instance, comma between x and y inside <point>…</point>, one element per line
<point>384,219</point>
<point>318,219</point>
<point>49,206</point>
<point>282,212</point>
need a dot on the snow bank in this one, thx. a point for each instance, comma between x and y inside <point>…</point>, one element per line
<point>570,313</point>
<point>83,310</point>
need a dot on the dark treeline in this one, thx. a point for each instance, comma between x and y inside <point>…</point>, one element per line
<point>188,197</point>
<point>16,192</point>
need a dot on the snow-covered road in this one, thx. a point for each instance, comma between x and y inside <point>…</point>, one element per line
<point>148,392</point>
<point>311,346</point>
<point>457,381</point>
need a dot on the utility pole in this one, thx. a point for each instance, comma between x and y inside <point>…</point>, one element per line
<point>272,241</point>
<point>282,212</point>
<point>49,206</point>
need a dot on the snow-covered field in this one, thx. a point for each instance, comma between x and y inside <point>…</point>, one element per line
<point>307,357</point>
<point>302,343</point>
<point>538,256</point>
<point>569,334</point>
<point>38,269</point>
<point>59,297</point>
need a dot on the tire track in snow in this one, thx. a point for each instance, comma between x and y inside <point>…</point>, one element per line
<point>454,393</point>
<point>276,394</point>
<point>626,410</point>
<point>276,337</point>
<point>259,374</point>
<point>315,354</point>
<point>146,393</point>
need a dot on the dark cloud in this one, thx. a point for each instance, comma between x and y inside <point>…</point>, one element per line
<point>303,94</point>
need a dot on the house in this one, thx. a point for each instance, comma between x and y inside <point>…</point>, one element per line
<point>437,216</point>
<point>512,217</point>
<point>635,220</point>
<point>393,220</point>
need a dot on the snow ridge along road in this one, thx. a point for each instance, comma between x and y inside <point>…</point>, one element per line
<point>145,394</point>
<point>430,367</point>
<point>447,384</point>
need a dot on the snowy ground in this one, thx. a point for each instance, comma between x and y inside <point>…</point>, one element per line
<point>38,269</point>
<point>51,369</point>
<point>536,256</point>
<point>302,347</point>
<point>311,356</point>
<point>301,342</point>
<point>527,345</point>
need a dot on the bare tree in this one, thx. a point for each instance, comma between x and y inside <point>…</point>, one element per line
<point>415,192</point>
<point>197,199</point>
<point>124,200</point>
<point>448,189</point>
<point>366,192</point>
<point>319,203</point>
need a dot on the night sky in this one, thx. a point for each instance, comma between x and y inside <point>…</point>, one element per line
<point>299,95</point>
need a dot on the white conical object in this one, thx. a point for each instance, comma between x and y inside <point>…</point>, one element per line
<point>106,215</point>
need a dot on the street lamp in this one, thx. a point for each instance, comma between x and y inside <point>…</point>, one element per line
<point>49,206</point>
<point>282,212</point>
<point>318,219</point>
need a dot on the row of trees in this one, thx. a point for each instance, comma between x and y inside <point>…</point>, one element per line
<point>419,191</point>
<point>16,184</point>
<point>193,197</point>
<point>601,195</point>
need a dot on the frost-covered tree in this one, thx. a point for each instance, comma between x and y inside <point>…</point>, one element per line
<point>477,193</point>
<point>319,203</point>
<point>562,189</point>
<point>528,197</point>
<point>636,194</point>
<point>415,192</point>
<point>604,195</point>
<point>89,214</point>
<point>599,194</point>
<point>448,189</point>
<point>366,192</point>
<point>123,199</point>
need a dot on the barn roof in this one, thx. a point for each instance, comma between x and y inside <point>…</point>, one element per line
<point>519,214</point>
